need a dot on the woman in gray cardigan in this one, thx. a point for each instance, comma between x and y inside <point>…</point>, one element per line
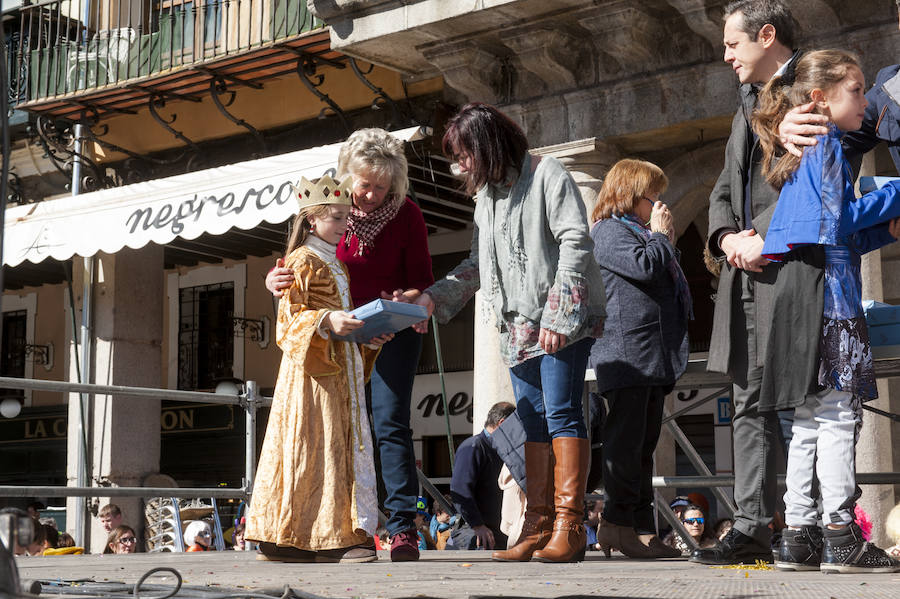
<point>644,348</point>
<point>531,257</point>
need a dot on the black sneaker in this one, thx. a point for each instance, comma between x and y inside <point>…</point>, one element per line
<point>734,548</point>
<point>800,550</point>
<point>847,552</point>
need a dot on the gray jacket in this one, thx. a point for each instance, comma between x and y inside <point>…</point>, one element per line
<point>528,237</point>
<point>645,339</point>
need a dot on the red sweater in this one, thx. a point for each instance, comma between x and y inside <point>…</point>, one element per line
<point>399,260</point>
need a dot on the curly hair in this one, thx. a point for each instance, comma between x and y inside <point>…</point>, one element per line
<point>378,152</point>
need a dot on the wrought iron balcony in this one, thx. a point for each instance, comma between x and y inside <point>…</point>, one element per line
<point>70,48</point>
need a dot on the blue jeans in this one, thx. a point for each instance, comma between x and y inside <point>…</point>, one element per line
<point>391,393</point>
<point>548,392</point>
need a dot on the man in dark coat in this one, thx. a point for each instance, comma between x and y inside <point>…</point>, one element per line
<point>758,37</point>
<point>474,487</point>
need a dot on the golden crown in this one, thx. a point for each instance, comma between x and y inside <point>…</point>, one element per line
<point>324,190</point>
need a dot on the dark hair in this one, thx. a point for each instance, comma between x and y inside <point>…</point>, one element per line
<point>822,69</point>
<point>759,13</point>
<point>496,144</point>
<point>65,540</point>
<point>51,535</point>
<point>498,412</point>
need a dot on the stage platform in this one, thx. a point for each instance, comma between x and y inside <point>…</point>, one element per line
<point>444,574</point>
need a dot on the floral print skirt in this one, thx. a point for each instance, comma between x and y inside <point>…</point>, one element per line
<point>846,357</point>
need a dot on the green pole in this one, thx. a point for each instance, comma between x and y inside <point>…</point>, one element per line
<point>440,361</point>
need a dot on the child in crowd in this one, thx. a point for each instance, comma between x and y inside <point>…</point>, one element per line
<point>315,498</point>
<point>110,517</point>
<point>818,358</point>
<point>441,524</point>
<point>892,528</point>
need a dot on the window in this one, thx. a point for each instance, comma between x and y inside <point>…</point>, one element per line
<point>12,359</point>
<point>18,331</point>
<point>202,346</point>
<point>205,335</point>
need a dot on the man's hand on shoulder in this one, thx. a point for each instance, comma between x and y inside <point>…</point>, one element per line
<point>744,250</point>
<point>800,127</point>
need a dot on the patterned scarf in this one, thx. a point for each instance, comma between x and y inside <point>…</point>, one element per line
<point>366,227</point>
<point>682,290</point>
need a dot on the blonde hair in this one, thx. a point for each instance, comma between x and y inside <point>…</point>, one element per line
<point>378,152</point>
<point>300,228</point>
<point>626,184</point>
<point>822,70</point>
<point>892,525</point>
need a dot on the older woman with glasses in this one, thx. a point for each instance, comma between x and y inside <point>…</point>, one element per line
<point>121,540</point>
<point>644,348</point>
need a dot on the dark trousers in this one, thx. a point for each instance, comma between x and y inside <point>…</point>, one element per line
<point>630,433</point>
<point>390,392</point>
<point>755,434</point>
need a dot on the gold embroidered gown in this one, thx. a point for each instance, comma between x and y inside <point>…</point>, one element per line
<point>315,483</point>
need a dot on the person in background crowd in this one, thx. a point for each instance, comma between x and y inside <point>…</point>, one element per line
<point>198,536</point>
<point>531,257</point>
<point>721,528</point>
<point>122,539</point>
<point>65,540</point>
<point>441,524</point>
<point>644,348</point>
<point>385,248</point>
<point>474,486</point>
<point>110,517</point>
<point>34,509</point>
<point>238,535</point>
<point>592,511</point>
<point>694,522</point>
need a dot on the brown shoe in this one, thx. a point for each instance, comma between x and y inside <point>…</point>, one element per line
<point>347,555</point>
<point>657,548</point>
<point>270,552</point>
<point>539,507</point>
<point>570,477</point>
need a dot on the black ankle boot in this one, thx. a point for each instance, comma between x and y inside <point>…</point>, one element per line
<point>800,550</point>
<point>846,551</point>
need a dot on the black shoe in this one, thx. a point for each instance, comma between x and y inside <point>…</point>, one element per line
<point>800,550</point>
<point>734,548</point>
<point>847,552</point>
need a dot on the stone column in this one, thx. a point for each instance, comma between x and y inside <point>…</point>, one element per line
<point>123,436</point>
<point>874,448</point>
<point>588,160</point>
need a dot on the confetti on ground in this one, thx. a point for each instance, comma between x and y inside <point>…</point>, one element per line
<point>759,565</point>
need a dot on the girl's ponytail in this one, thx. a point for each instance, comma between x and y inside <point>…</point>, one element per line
<point>774,104</point>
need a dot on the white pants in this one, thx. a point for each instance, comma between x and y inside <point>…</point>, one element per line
<point>824,442</point>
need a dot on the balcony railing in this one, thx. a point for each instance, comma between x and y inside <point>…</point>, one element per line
<point>71,46</point>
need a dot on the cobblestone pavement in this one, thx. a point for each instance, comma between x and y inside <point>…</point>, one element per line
<point>461,574</point>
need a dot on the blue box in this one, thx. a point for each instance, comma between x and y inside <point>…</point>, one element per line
<point>383,316</point>
<point>885,334</point>
<point>878,313</point>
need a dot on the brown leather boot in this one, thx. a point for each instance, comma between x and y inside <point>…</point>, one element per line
<point>539,505</point>
<point>567,544</point>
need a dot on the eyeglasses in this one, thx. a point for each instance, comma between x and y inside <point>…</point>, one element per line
<point>694,520</point>
<point>128,540</point>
